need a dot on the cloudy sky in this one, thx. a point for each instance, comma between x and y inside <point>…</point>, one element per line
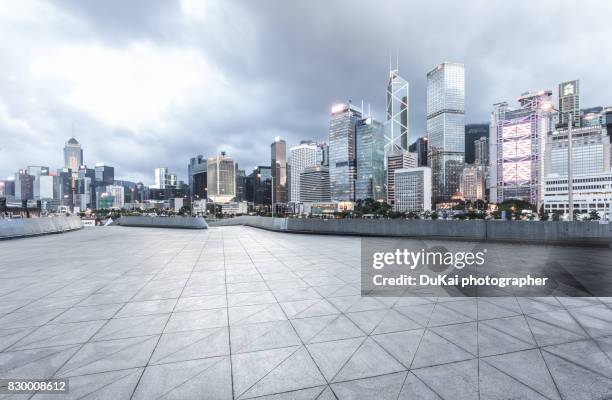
<point>145,83</point>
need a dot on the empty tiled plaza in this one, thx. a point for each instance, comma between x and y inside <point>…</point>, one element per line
<point>237,312</point>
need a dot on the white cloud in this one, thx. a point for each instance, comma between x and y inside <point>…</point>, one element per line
<point>133,86</point>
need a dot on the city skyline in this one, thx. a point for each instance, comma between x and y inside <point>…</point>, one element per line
<point>60,86</point>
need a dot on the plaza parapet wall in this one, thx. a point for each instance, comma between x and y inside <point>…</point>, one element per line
<point>24,227</point>
<point>164,222</point>
<point>538,232</point>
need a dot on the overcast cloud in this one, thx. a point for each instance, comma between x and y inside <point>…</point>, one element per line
<point>143,84</point>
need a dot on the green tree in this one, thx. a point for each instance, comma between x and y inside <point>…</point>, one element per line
<point>594,215</point>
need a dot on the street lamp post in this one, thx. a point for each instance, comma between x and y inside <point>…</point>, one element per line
<point>570,180</point>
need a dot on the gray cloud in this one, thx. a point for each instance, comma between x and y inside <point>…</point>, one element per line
<point>268,68</point>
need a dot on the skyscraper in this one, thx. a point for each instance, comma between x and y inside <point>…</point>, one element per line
<point>370,160</point>
<point>446,128</point>
<point>397,159</point>
<point>473,132</point>
<point>481,151</point>
<point>517,141</point>
<point>240,184</point>
<point>420,148</point>
<point>73,155</point>
<point>196,170</point>
<point>342,170</point>
<point>302,156</point>
<point>396,127</point>
<point>278,164</point>
<point>221,178</point>
<point>569,102</point>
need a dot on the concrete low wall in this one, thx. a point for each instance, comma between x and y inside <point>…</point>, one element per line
<point>16,228</point>
<point>549,232</point>
<point>164,222</point>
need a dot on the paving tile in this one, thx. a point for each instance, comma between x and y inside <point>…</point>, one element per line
<point>201,303</point>
<point>35,363</point>
<point>555,327</point>
<point>579,370</point>
<point>434,350</point>
<point>116,385</point>
<point>458,381</point>
<point>118,328</point>
<point>504,335</point>
<point>256,314</point>
<point>524,374</point>
<point>263,336</point>
<point>385,387</point>
<point>59,335</point>
<point>110,355</point>
<point>370,359</point>
<point>190,345</point>
<point>149,307</point>
<point>209,378</point>
<point>326,328</point>
<point>596,320</point>
<point>200,319</point>
<point>87,313</point>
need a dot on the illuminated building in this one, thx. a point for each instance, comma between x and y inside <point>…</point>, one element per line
<point>370,160</point>
<point>473,182</point>
<point>73,155</point>
<point>590,151</point>
<point>446,128</point>
<point>517,142</point>
<point>342,169</point>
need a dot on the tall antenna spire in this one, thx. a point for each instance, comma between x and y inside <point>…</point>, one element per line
<point>397,59</point>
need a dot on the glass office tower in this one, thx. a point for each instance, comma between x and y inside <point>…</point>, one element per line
<point>73,155</point>
<point>370,154</point>
<point>446,128</point>
<point>278,160</point>
<point>342,169</point>
<point>396,127</point>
